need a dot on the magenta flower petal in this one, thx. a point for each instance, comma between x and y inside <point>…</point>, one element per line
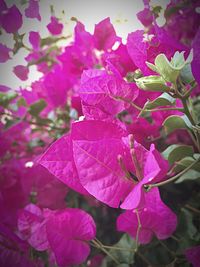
<point>99,171</point>
<point>49,192</point>
<point>31,226</point>
<point>21,72</point>
<point>105,35</point>
<point>4,53</point>
<point>68,234</point>
<point>156,218</point>
<point>54,26</point>
<point>11,19</point>
<point>127,222</point>
<point>102,90</point>
<point>135,198</point>
<point>96,130</point>
<point>3,5</point>
<point>153,169</point>
<point>83,38</point>
<point>119,61</point>
<point>193,256</point>
<point>58,159</point>
<point>32,11</point>
<point>145,16</point>
<point>34,39</point>
<point>137,50</point>
<point>96,147</point>
<point>196,55</point>
<point>14,251</point>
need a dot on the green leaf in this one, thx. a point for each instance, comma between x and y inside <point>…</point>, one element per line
<point>165,69</point>
<point>186,74</point>
<point>10,123</point>
<point>190,57</point>
<point>50,40</point>
<point>186,227</point>
<point>37,107</point>
<point>175,122</point>
<point>47,41</point>
<point>175,153</point>
<point>125,257</point>
<point>156,10</point>
<point>178,60</point>
<point>36,142</point>
<point>189,175</point>
<point>6,98</point>
<point>156,254</point>
<point>21,102</point>
<point>168,150</point>
<point>123,265</point>
<point>152,83</point>
<point>13,107</point>
<point>185,162</point>
<point>44,121</point>
<point>151,66</point>
<point>163,100</point>
<point>171,70</point>
<point>18,38</point>
<point>196,155</point>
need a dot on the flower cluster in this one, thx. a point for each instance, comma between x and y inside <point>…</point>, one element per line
<point>85,150</point>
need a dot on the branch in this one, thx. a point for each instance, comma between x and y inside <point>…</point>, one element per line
<point>100,246</point>
<point>149,186</point>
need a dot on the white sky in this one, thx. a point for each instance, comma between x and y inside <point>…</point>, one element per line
<point>121,12</point>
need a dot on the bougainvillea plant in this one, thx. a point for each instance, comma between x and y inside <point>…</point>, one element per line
<point>100,157</point>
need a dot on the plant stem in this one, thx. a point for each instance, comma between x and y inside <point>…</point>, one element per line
<point>44,124</point>
<point>192,208</point>
<point>118,248</point>
<point>138,229</point>
<point>100,246</point>
<point>175,238</point>
<point>149,186</point>
<point>32,122</point>
<point>184,99</point>
<point>187,112</point>
<point>147,110</point>
<point>144,259</point>
<point>166,247</point>
<point>114,247</point>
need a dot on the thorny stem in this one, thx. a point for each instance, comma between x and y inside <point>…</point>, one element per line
<point>149,186</point>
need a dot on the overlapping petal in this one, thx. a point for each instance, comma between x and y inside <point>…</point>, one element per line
<point>68,234</point>
<point>105,35</point>
<point>155,219</point>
